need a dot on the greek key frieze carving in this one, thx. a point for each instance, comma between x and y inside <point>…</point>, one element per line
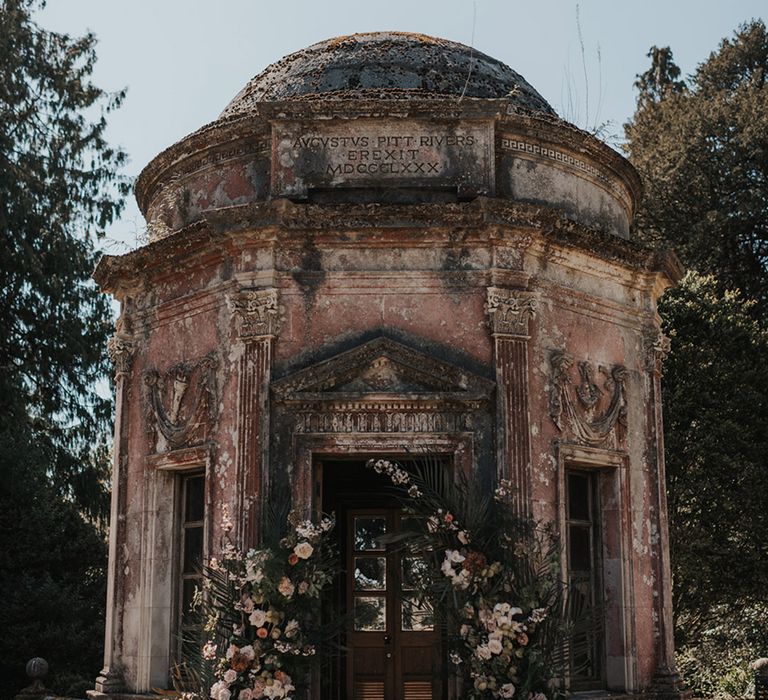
<point>256,313</point>
<point>180,404</point>
<point>575,407</point>
<point>382,421</point>
<point>510,311</point>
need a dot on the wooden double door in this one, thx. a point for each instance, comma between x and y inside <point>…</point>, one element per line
<point>392,643</point>
<point>392,646</point>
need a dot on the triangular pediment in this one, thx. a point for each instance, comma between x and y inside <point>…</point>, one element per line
<point>382,367</point>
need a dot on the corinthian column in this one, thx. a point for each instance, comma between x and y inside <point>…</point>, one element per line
<point>509,313</point>
<point>120,348</point>
<point>257,319</point>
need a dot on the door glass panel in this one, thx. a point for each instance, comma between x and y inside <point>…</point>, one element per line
<point>370,614</point>
<point>416,616</point>
<point>368,533</point>
<point>580,553</point>
<point>414,570</point>
<point>370,573</point>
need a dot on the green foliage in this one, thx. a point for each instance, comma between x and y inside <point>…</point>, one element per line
<point>701,146</point>
<point>716,401</point>
<point>492,578</point>
<point>719,665</point>
<point>52,574</point>
<point>261,615</point>
<point>702,151</point>
<point>59,188</point>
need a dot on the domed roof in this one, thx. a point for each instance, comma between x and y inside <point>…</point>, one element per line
<point>387,65</point>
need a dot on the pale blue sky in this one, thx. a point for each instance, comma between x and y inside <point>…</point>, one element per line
<point>183,60</point>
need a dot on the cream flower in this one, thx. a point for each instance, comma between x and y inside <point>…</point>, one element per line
<point>258,617</point>
<point>285,587</point>
<point>220,691</point>
<point>494,646</point>
<point>303,550</point>
<point>230,675</point>
<point>507,690</point>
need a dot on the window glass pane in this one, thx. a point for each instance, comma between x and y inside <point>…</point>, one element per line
<point>370,573</point>
<point>368,532</point>
<point>580,554</point>
<point>417,617</point>
<point>411,525</point>
<point>188,592</point>
<point>193,549</point>
<point>578,497</point>
<point>414,570</point>
<point>194,502</point>
<point>370,614</point>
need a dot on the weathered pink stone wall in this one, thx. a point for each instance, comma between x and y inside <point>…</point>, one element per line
<point>269,284</point>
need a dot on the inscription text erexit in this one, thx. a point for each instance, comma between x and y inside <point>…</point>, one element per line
<point>384,152</point>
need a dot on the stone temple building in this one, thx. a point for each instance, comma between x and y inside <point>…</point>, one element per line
<point>387,243</point>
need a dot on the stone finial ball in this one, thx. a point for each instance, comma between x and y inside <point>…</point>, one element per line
<point>37,668</point>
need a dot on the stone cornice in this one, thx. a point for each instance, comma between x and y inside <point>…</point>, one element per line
<point>280,219</point>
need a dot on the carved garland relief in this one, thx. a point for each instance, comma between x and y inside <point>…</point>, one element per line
<point>181,403</point>
<point>575,407</point>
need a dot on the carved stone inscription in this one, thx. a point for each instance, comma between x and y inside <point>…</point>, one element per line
<point>382,152</point>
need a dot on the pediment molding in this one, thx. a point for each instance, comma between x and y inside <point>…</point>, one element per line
<point>380,373</point>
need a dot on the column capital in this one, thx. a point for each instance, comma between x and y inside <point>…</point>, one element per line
<point>656,348</point>
<point>120,349</point>
<point>510,310</point>
<point>256,312</point>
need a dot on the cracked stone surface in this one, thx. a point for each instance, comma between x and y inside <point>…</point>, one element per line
<point>387,65</point>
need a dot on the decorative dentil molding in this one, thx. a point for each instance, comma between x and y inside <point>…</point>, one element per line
<point>181,402</point>
<point>256,313</point>
<point>574,408</point>
<point>510,311</point>
<point>120,349</point>
<point>656,348</point>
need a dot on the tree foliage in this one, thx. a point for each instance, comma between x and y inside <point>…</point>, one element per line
<point>52,581</point>
<point>59,188</point>
<point>701,147</point>
<point>716,402</point>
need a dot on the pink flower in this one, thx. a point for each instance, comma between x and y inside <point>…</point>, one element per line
<point>285,587</point>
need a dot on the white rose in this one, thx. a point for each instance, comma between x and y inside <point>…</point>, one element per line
<point>483,652</point>
<point>230,675</point>
<point>258,618</point>
<point>494,646</point>
<point>303,550</point>
<point>219,691</point>
<point>248,652</point>
<point>507,690</point>
<point>453,555</point>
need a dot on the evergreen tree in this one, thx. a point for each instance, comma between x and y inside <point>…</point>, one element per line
<point>702,150</point>
<point>59,188</point>
<point>701,147</point>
